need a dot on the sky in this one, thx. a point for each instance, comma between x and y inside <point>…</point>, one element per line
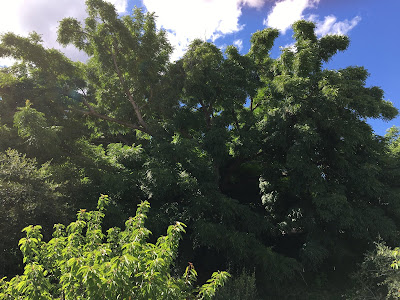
<point>372,25</point>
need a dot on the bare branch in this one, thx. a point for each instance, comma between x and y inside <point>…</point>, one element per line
<point>254,107</point>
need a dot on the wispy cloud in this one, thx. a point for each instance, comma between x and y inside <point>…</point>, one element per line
<point>330,25</point>
<point>285,13</point>
<point>253,3</point>
<point>238,44</point>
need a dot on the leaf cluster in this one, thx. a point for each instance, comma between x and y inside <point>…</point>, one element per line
<point>80,262</point>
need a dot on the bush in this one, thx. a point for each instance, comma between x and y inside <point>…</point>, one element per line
<point>80,262</point>
<point>242,287</point>
<point>378,276</point>
<point>27,194</point>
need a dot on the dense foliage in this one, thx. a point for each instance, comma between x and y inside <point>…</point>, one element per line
<point>81,262</point>
<point>27,195</point>
<point>270,162</point>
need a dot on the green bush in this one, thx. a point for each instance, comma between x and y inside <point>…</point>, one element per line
<point>242,287</point>
<point>27,194</point>
<point>378,276</point>
<point>80,262</point>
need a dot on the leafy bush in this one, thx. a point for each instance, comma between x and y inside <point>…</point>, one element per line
<point>378,276</point>
<point>80,262</point>
<point>28,194</point>
<point>242,287</point>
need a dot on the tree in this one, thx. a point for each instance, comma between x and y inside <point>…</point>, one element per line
<point>81,262</point>
<point>322,162</point>
<point>128,58</point>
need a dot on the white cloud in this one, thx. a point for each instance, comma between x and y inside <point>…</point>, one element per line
<point>253,3</point>
<point>238,44</point>
<point>186,20</point>
<point>120,5</point>
<point>222,47</point>
<point>9,20</point>
<point>42,16</point>
<point>292,47</point>
<point>331,26</point>
<point>286,12</point>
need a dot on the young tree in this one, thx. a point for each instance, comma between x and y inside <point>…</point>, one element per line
<point>81,262</point>
<point>323,179</point>
<point>378,275</point>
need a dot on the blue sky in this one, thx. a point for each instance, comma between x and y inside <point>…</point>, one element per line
<point>372,26</point>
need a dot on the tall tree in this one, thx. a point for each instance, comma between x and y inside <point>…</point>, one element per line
<point>322,162</point>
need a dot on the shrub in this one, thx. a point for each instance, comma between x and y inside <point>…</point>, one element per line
<point>80,262</point>
<point>378,276</point>
<point>242,287</point>
<point>27,194</point>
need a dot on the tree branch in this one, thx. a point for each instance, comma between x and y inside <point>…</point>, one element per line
<point>252,108</point>
<point>127,92</point>
<point>206,113</point>
<point>92,112</point>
